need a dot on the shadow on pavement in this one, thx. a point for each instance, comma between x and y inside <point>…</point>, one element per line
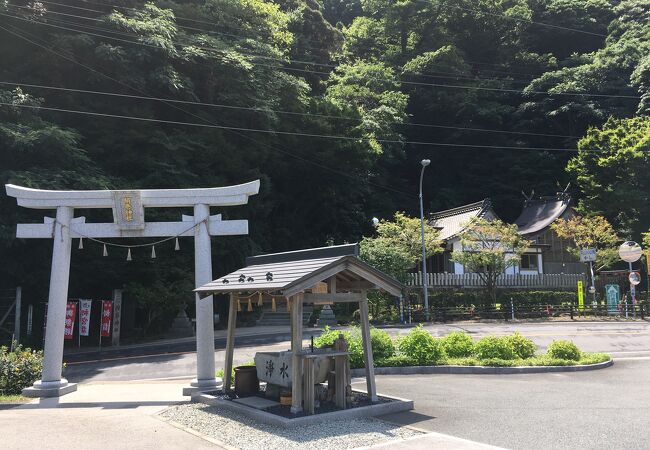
<point>406,418</point>
<point>54,404</point>
<point>79,372</point>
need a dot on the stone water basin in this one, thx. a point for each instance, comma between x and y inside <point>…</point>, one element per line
<point>275,367</point>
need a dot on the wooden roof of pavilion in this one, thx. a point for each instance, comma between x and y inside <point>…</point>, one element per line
<point>452,222</point>
<point>292,272</point>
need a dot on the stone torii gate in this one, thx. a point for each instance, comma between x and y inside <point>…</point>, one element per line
<point>129,222</point>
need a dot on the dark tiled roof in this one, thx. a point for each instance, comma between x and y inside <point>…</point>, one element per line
<point>540,213</point>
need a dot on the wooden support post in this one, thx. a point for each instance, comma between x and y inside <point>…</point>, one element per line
<point>342,377</point>
<point>367,348</point>
<point>341,381</point>
<point>230,343</point>
<point>331,284</point>
<point>308,385</point>
<point>296,349</point>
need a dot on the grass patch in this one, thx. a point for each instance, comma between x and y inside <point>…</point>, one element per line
<point>13,399</point>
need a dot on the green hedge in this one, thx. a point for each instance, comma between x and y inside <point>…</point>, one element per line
<point>419,348</point>
<point>450,298</point>
<point>19,369</point>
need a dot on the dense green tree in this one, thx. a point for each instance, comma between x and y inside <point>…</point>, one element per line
<point>611,171</point>
<point>397,80</point>
<point>590,232</point>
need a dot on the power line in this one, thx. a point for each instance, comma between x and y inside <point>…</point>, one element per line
<point>451,75</point>
<point>244,37</point>
<point>282,60</point>
<point>449,86</point>
<point>290,133</point>
<point>317,48</point>
<point>519,19</point>
<point>262,144</point>
<point>228,25</point>
<point>266,110</point>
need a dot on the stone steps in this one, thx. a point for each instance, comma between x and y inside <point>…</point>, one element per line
<point>281,317</point>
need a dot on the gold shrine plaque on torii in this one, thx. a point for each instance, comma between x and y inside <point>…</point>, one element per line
<point>128,212</point>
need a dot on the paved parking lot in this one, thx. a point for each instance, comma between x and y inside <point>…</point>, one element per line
<point>603,409</point>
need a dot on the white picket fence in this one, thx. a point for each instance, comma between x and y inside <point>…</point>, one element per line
<point>473,280</point>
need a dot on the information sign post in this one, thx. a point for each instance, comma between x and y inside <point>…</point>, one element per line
<point>630,252</point>
<point>589,255</point>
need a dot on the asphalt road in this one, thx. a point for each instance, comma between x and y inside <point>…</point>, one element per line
<point>168,361</point>
<point>602,409</point>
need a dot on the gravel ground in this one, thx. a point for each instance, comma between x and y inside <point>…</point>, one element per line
<point>244,433</point>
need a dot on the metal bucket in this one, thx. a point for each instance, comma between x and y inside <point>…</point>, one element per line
<point>246,382</point>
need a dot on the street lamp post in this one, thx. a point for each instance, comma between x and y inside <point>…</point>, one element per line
<point>425,163</point>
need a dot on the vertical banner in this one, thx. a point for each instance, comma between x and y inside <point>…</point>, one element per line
<point>117,316</point>
<point>85,307</point>
<point>107,315</point>
<point>30,319</point>
<point>581,296</point>
<point>70,316</point>
<point>44,321</point>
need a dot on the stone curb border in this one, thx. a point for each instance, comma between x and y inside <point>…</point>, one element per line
<point>424,370</point>
<point>378,409</point>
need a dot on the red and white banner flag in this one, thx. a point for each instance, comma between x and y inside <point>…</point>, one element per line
<point>107,316</point>
<point>70,316</point>
<point>84,316</point>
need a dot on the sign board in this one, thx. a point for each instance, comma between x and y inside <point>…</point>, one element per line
<point>635,278</point>
<point>630,251</point>
<point>588,255</point>
<point>581,296</point>
<point>117,316</point>
<point>85,307</point>
<point>613,296</point>
<point>128,212</point>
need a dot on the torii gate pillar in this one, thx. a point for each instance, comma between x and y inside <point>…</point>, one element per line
<point>205,373</point>
<point>128,212</point>
<point>52,383</point>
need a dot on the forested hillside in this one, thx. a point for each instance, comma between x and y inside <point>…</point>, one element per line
<point>331,103</point>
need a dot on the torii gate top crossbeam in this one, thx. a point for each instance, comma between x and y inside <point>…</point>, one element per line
<point>152,198</point>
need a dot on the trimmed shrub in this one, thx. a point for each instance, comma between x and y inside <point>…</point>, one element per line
<point>566,350</point>
<point>19,369</point>
<point>524,347</point>
<point>494,347</point>
<point>421,347</point>
<point>327,338</point>
<point>382,344</point>
<point>458,344</point>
